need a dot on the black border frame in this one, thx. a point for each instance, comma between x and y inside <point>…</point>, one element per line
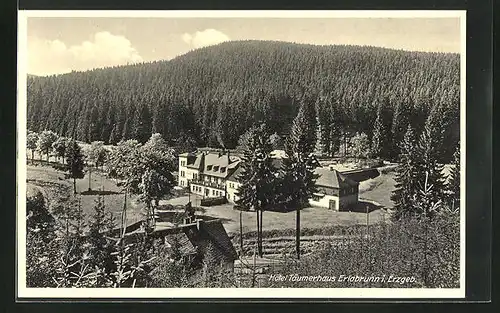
<point>479,131</point>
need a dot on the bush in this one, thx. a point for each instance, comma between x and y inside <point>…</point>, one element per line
<point>336,230</point>
<point>427,251</point>
<point>240,208</point>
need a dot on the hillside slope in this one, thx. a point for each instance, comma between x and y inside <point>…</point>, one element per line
<point>210,96</point>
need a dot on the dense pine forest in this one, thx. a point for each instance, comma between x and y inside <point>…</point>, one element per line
<point>211,96</point>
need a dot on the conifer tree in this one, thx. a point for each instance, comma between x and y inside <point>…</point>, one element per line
<point>159,118</point>
<point>429,148</point>
<point>302,136</point>
<point>142,126</point>
<point>94,125</point>
<point>75,162</point>
<point>400,122</point>
<point>258,178</point>
<point>71,266</point>
<point>453,186</point>
<point>360,145</point>
<point>407,177</point>
<point>128,123</point>
<point>114,138</point>
<point>380,135</point>
<point>41,243</point>
<point>100,247</point>
<point>299,180</point>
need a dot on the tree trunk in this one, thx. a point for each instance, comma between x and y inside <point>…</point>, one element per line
<point>90,175</point>
<point>260,232</point>
<point>297,233</point>
<point>74,185</point>
<point>32,157</point>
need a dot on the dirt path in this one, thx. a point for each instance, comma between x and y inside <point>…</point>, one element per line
<point>310,217</point>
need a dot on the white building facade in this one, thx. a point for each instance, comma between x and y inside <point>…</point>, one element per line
<point>213,175</point>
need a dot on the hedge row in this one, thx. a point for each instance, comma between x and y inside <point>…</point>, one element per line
<point>324,231</point>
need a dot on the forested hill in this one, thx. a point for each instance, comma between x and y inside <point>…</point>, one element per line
<point>213,94</point>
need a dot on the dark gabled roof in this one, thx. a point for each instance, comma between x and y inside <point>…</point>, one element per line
<point>186,246</point>
<point>214,164</point>
<point>218,233</point>
<point>193,238</point>
<point>333,179</point>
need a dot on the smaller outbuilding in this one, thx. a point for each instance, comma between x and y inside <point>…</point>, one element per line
<point>335,191</point>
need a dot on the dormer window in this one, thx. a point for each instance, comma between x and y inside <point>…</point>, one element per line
<point>216,168</point>
<point>222,169</point>
<point>209,167</point>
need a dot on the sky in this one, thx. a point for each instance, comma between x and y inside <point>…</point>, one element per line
<point>62,44</point>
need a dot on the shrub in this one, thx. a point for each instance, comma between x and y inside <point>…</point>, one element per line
<point>213,201</point>
<point>426,249</point>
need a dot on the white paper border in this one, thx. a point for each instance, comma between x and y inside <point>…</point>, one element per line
<point>266,293</point>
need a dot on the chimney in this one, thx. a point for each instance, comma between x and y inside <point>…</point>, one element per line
<point>198,223</point>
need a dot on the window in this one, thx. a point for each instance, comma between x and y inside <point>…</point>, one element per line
<point>216,168</point>
<point>182,183</point>
<point>183,163</point>
<point>183,174</point>
<point>213,192</point>
<point>222,169</point>
<point>209,167</point>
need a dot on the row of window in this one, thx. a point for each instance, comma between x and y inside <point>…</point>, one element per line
<point>216,168</point>
<point>215,193</point>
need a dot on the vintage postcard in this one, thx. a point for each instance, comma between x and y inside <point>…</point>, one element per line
<point>241,154</point>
